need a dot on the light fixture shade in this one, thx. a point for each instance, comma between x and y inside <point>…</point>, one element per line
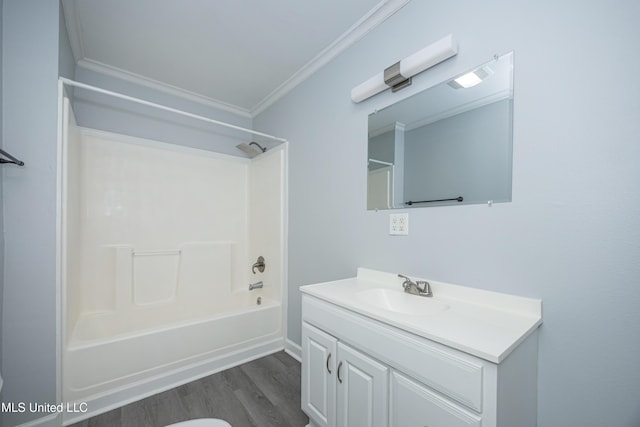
<point>369,88</point>
<point>410,66</point>
<point>431,55</point>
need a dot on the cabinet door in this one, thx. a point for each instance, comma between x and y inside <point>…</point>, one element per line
<point>415,405</point>
<point>318,376</point>
<point>362,390</point>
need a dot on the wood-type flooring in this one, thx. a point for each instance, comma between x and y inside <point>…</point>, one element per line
<point>261,393</point>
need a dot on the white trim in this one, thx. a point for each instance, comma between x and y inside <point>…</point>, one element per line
<point>368,22</point>
<point>128,76</point>
<point>292,349</point>
<point>284,297</point>
<point>395,126</point>
<point>379,162</point>
<point>104,402</point>
<point>463,108</point>
<point>60,242</point>
<point>74,29</point>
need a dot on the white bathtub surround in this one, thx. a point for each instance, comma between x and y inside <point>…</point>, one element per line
<point>462,357</point>
<point>112,373</point>
<point>157,244</point>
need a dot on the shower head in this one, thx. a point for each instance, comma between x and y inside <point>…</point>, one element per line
<point>251,151</point>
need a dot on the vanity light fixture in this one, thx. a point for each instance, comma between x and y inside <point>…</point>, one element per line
<point>399,74</point>
<point>471,79</point>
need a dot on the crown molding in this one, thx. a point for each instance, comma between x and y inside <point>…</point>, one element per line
<point>454,111</point>
<point>128,76</point>
<point>463,108</point>
<point>364,25</point>
<point>74,29</point>
<point>368,22</point>
<point>395,126</point>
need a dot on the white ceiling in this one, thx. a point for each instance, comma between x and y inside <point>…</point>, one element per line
<point>241,55</point>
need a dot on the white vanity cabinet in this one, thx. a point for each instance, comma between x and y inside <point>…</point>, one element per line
<point>360,369</point>
<point>416,405</point>
<point>362,389</point>
<point>318,392</point>
<point>341,386</point>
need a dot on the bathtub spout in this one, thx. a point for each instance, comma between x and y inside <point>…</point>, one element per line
<point>256,285</point>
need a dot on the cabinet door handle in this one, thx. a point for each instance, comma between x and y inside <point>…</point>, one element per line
<point>328,358</point>
<point>339,366</point>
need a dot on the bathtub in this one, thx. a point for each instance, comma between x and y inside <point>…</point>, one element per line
<point>157,243</point>
<point>111,359</point>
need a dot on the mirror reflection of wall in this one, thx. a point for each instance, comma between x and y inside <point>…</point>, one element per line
<point>466,155</point>
<point>380,171</point>
<point>386,168</point>
<point>446,142</point>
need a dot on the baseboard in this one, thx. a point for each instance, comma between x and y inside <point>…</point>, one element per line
<point>293,350</point>
<point>105,402</point>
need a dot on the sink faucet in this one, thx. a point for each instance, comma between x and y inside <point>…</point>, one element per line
<point>414,288</point>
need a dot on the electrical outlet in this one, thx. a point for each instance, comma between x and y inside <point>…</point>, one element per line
<point>399,224</point>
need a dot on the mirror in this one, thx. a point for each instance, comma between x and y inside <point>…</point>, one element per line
<point>450,144</point>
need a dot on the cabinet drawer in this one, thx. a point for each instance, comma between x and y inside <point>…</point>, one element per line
<point>414,405</point>
<point>448,371</point>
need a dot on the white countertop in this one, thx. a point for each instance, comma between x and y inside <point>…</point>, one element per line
<point>485,324</point>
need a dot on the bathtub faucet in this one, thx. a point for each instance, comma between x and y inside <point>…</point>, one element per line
<point>256,285</point>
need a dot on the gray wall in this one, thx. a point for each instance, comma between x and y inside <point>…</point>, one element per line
<point>36,49</point>
<point>109,114</point>
<point>66,62</point>
<point>1,198</point>
<point>30,72</point>
<point>570,236</point>
<point>381,148</point>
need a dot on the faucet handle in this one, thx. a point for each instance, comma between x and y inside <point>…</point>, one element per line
<point>259,264</point>
<point>425,290</point>
<point>406,282</point>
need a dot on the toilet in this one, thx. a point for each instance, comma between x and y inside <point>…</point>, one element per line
<point>202,422</point>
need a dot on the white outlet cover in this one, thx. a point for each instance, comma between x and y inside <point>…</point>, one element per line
<point>399,224</point>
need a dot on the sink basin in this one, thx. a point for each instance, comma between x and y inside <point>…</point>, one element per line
<point>401,302</point>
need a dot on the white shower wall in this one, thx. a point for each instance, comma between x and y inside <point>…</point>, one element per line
<point>158,241</point>
<point>155,199</point>
<point>154,226</point>
<point>266,219</point>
